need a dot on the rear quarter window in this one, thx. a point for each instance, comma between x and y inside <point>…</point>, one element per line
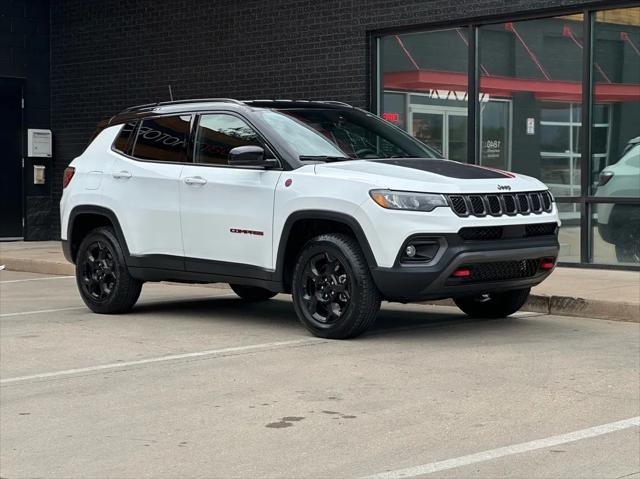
<point>124,141</point>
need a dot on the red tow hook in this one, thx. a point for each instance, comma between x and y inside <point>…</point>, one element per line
<point>547,263</point>
<point>461,273</point>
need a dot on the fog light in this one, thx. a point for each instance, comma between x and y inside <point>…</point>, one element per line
<point>410,251</point>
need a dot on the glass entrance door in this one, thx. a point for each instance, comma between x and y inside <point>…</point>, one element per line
<point>443,129</point>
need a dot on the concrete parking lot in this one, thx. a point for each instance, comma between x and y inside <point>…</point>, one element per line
<point>196,383</point>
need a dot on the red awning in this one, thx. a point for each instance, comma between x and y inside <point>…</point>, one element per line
<point>427,80</point>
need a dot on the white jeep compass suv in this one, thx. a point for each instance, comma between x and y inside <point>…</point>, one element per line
<point>318,199</point>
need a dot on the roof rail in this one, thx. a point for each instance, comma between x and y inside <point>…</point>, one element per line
<point>334,102</point>
<point>178,102</point>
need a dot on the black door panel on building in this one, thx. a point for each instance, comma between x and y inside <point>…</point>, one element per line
<point>11,159</point>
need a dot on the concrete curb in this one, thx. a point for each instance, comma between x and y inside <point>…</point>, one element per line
<point>539,303</point>
<point>38,266</point>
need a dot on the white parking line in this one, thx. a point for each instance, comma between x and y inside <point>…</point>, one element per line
<point>34,279</point>
<point>172,357</point>
<point>508,450</point>
<point>39,311</point>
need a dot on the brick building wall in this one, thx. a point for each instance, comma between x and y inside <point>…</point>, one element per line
<point>106,55</point>
<point>24,62</point>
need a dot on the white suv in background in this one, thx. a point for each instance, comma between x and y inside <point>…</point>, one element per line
<point>318,199</point>
<point>619,223</point>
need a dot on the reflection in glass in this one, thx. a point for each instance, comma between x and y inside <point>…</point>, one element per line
<point>535,68</point>
<point>424,81</point>
<point>616,233</point>
<point>616,75</point>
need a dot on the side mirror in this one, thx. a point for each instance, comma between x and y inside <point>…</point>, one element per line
<point>250,156</point>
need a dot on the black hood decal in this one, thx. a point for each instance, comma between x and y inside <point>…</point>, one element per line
<point>449,168</point>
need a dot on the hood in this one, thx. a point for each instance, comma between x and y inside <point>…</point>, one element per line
<point>429,175</point>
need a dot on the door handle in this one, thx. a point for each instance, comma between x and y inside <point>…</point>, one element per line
<point>121,174</point>
<point>195,180</point>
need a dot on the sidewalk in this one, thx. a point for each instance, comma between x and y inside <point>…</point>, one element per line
<point>593,293</point>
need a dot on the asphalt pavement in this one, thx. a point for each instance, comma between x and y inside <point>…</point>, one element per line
<point>196,383</point>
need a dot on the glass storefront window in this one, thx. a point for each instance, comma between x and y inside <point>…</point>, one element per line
<point>615,160</point>
<point>569,235</point>
<point>533,70</point>
<point>423,77</point>
<point>530,112</point>
<point>615,233</point>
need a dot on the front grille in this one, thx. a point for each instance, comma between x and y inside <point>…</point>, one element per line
<point>481,233</point>
<point>540,229</point>
<point>535,202</point>
<point>503,270</point>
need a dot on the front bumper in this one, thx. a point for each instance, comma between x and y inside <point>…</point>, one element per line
<point>412,282</point>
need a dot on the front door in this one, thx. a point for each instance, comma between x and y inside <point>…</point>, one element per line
<point>10,162</point>
<point>226,211</point>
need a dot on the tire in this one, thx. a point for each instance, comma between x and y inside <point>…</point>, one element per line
<point>104,282</point>
<point>627,243</point>
<point>252,293</point>
<point>333,292</point>
<point>493,305</point>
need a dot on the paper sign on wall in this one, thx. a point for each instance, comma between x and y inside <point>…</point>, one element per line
<point>531,126</point>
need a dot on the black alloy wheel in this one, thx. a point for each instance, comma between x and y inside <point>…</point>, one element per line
<point>333,292</point>
<point>103,279</point>
<point>99,277</point>
<point>326,288</point>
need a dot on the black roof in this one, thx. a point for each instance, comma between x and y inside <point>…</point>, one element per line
<point>191,105</point>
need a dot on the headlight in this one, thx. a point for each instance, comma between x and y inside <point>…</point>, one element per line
<point>407,200</point>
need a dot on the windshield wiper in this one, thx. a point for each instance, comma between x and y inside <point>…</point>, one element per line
<point>325,158</point>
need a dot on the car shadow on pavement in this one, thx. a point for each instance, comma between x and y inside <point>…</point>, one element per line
<point>393,319</point>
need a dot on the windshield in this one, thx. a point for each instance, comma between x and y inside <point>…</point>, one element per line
<point>336,134</point>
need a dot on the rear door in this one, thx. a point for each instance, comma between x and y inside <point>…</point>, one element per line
<point>143,187</point>
<point>227,211</point>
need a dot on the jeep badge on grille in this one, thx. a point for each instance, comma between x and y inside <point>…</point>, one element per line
<point>504,187</point>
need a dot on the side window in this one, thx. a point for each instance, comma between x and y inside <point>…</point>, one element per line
<point>123,142</point>
<point>163,138</point>
<point>217,134</point>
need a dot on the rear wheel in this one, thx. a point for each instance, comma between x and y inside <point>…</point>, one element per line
<point>252,293</point>
<point>493,305</point>
<point>333,293</point>
<point>102,276</point>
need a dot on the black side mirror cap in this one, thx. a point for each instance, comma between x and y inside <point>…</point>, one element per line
<point>251,156</point>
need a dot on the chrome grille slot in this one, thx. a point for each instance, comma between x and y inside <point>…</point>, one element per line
<point>523,203</point>
<point>494,205</point>
<point>477,205</point>
<point>546,201</point>
<point>510,207</point>
<point>536,202</point>
<point>458,205</point>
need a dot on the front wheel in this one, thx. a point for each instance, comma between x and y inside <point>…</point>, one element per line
<point>333,292</point>
<point>493,305</point>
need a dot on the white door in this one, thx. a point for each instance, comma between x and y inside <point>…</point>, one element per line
<point>143,189</point>
<point>227,212</point>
